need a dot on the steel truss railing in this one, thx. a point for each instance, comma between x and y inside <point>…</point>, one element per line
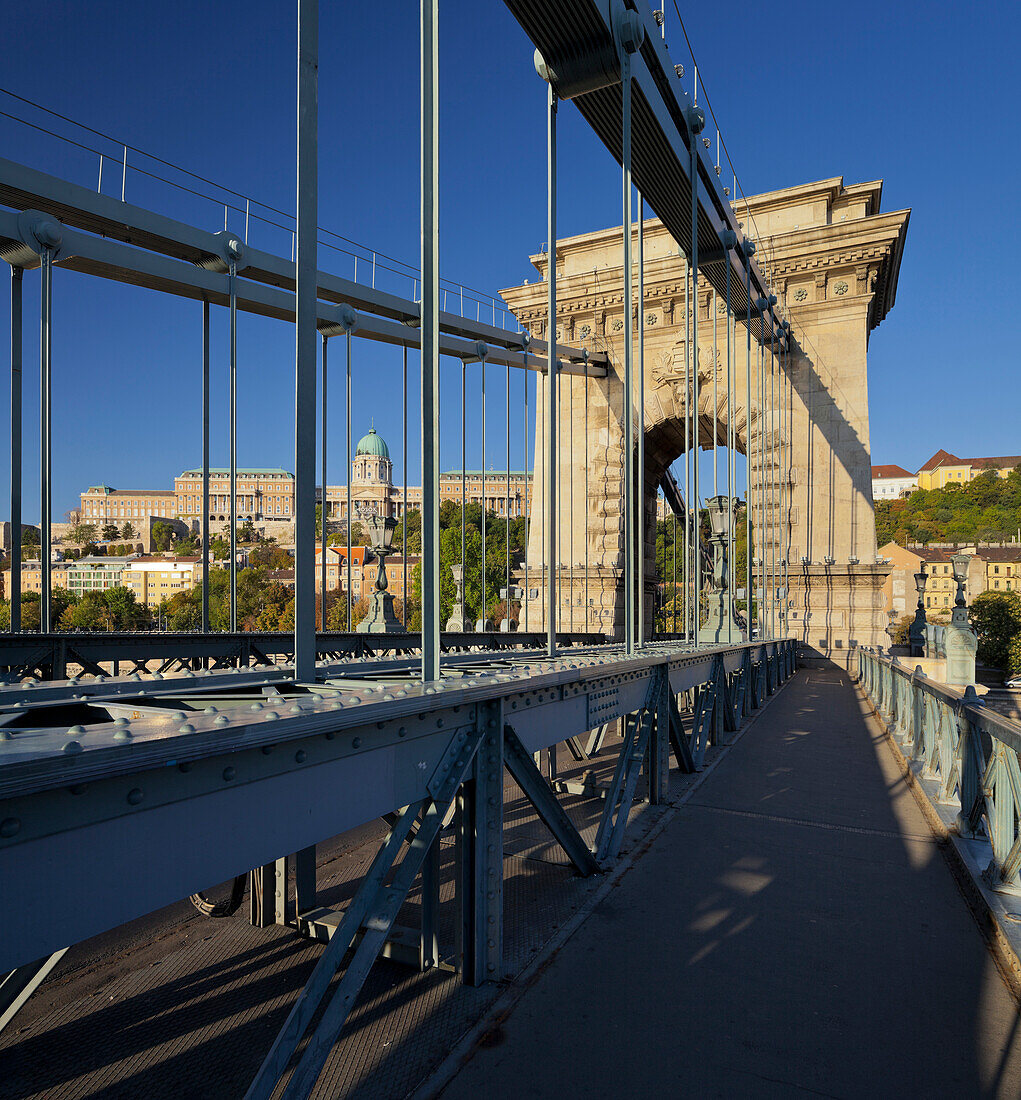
<point>91,807</point>
<point>965,755</point>
<point>49,657</point>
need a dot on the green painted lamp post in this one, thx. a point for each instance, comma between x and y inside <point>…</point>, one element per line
<point>961,642</point>
<point>916,632</point>
<point>381,618</point>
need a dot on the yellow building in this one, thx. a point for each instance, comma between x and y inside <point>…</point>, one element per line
<point>102,504</point>
<point>32,577</point>
<point>946,469</point>
<point>262,493</point>
<point>1003,568</point>
<point>154,579</point>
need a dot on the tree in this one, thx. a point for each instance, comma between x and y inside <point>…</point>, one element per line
<point>219,548</point>
<point>82,533</point>
<point>30,536</point>
<point>246,533</point>
<point>110,532</point>
<point>162,535</point>
<point>996,617</point>
<point>128,532</point>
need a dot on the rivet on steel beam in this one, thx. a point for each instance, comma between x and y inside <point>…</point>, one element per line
<point>300,756</point>
<point>228,774</point>
<point>135,796</point>
<point>10,826</point>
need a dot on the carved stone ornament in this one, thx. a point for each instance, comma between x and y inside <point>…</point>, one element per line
<point>617,325</point>
<point>800,294</point>
<point>840,288</point>
<point>586,331</point>
<point>721,307</point>
<point>650,318</point>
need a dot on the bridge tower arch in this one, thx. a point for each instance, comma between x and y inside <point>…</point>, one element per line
<point>833,259</point>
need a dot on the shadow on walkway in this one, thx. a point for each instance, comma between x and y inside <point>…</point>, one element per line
<point>793,930</point>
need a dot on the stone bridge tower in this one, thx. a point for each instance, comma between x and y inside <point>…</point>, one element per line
<point>833,259</point>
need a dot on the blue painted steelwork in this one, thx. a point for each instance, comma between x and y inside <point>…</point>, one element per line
<point>964,755</point>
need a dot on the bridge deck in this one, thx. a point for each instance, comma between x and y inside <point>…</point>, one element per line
<point>791,928</point>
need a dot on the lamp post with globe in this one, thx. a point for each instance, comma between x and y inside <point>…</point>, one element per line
<point>381,618</point>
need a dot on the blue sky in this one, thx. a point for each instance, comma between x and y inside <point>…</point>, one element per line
<point>922,96</point>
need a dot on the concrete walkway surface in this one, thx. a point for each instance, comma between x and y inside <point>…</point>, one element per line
<point>793,931</point>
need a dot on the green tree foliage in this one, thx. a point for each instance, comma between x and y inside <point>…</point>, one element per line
<point>162,536</point>
<point>986,509</point>
<point>82,533</point>
<point>31,606</point>
<point>108,609</point>
<point>996,617</point>
<point>128,532</point>
<point>110,531</point>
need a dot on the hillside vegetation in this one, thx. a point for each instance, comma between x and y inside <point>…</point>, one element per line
<point>987,509</point>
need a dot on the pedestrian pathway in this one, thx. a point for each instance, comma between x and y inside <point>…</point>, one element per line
<point>794,930</point>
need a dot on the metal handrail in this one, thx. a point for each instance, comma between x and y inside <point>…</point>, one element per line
<point>965,755</point>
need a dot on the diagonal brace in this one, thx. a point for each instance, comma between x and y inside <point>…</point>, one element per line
<point>527,776</point>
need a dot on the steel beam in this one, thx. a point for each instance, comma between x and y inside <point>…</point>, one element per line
<point>306,185</point>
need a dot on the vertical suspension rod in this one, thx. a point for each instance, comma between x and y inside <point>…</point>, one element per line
<point>640,490</point>
<point>17,287</point>
<point>45,436</point>
<point>551,374</point>
<point>205,467</point>
<point>324,505</point>
<point>430,341</point>
<point>306,264</point>
<point>696,122</point>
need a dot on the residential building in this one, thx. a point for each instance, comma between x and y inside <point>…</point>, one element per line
<point>995,568</point>
<point>892,482</point>
<point>945,469</point>
<point>32,577</point>
<point>96,574</point>
<point>394,574</point>
<point>336,569</point>
<point>261,492</point>
<point>899,590</point>
<point>1003,568</point>
<point>153,579</point>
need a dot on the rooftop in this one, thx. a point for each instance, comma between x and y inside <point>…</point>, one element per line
<point>889,471</point>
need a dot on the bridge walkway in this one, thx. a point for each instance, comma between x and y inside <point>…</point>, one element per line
<point>793,930</point>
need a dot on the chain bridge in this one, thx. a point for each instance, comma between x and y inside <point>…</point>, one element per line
<point>685,828</point>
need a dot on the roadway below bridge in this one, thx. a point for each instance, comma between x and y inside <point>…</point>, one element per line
<point>786,925</point>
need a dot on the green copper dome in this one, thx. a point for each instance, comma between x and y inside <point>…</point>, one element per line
<point>373,444</point>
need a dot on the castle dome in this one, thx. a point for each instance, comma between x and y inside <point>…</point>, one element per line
<point>373,444</point>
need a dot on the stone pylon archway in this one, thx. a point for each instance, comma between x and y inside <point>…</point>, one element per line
<point>833,259</point>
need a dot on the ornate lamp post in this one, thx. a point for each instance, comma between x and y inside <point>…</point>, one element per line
<point>961,641</point>
<point>720,626</point>
<point>456,623</point>
<point>891,627</point>
<point>381,618</point>
<point>916,632</point>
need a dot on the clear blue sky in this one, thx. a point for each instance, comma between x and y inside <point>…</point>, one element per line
<point>923,96</point>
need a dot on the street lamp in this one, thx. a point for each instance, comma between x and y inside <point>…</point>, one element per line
<point>720,625</point>
<point>916,632</point>
<point>381,618</point>
<point>960,640</point>
<point>891,626</point>
<point>959,563</point>
<point>456,623</point>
